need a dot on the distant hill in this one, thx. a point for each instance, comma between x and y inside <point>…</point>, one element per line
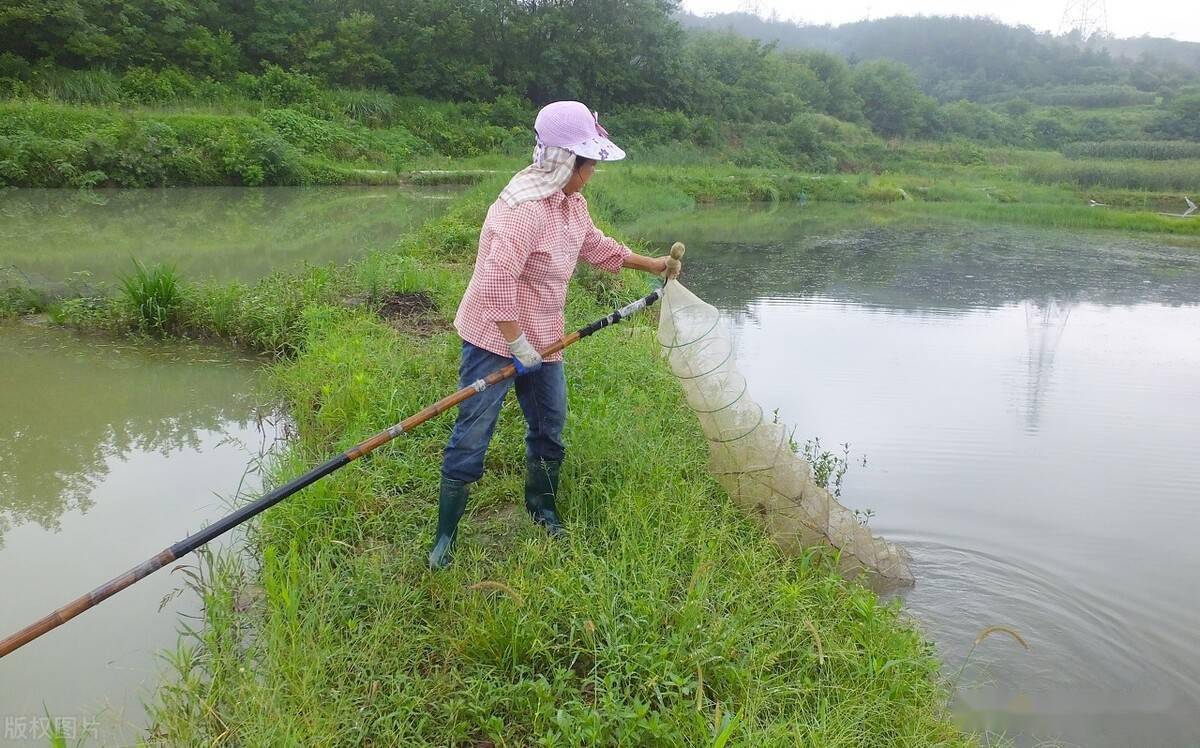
<point>979,58</point>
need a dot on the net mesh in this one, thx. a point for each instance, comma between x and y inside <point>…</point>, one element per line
<point>753,456</point>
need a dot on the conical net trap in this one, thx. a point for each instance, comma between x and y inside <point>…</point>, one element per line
<point>752,456</point>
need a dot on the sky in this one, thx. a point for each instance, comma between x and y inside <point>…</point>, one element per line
<point>1175,19</point>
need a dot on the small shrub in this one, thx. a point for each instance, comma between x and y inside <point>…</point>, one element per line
<point>284,87</point>
<point>147,86</point>
<point>14,66</point>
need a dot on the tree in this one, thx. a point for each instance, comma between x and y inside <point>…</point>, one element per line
<point>1181,120</point>
<point>836,96</point>
<point>352,56</point>
<point>892,101</point>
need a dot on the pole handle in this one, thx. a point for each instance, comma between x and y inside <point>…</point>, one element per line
<point>52,621</point>
<point>675,262</point>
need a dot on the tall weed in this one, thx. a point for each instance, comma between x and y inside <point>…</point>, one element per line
<point>154,295</point>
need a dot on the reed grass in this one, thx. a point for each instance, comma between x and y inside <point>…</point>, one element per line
<point>1178,175</point>
<point>153,293</point>
<point>1152,150</point>
<point>97,86</point>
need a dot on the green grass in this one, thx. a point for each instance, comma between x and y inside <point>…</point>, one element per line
<point>1156,150</point>
<point>20,299</point>
<point>666,618</point>
<point>1182,175</point>
<point>153,294</point>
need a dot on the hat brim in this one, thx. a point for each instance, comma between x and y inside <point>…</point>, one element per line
<point>599,149</point>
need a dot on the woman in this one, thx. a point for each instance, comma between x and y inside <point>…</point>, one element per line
<point>532,238</point>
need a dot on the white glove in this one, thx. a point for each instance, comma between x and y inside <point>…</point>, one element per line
<point>525,356</point>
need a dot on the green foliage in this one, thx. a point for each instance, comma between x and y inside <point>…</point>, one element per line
<point>1152,150</point>
<point>280,87</point>
<point>371,107</point>
<point>272,69</point>
<point>43,145</point>
<point>153,294</point>
<point>96,86</point>
<point>973,121</point>
<point>981,59</point>
<point>268,315</point>
<point>145,85</point>
<point>352,56</point>
<point>1176,175</point>
<point>313,135</point>
<point>454,129</point>
<point>892,101</point>
<point>17,299</point>
<point>1091,96</point>
<point>829,468</point>
<point>1181,120</point>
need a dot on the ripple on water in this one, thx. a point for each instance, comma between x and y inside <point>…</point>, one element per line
<point>1092,671</point>
<point>1028,403</point>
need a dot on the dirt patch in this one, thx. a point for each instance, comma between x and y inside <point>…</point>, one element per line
<point>413,312</point>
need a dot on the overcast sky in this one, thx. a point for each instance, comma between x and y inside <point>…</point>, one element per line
<point>1176,19</point>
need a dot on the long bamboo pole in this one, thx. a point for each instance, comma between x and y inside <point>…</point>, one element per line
<point>232,520</point>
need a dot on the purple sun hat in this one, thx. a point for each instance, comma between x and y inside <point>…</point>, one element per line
<point>571,125</point>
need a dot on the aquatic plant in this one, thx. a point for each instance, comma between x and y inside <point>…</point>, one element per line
<point>153,293</point>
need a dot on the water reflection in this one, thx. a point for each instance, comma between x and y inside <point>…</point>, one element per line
<point>898,262</point>
<point>46,236</point>
<point>1045,323</point>
<point>109,452</point>
<point>70,407</point>
<point>1028,401</point>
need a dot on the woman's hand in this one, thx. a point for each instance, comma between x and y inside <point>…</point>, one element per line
<point>525,356</point>
<point>655,265</point>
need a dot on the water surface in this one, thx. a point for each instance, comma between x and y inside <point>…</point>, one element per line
<point>109,452</point>
<point>206,232</point>
<point>1028,403</point>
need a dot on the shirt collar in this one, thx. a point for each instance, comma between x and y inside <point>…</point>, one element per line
<point>559,197</point>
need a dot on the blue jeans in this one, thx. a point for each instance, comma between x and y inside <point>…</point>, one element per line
<point>543,398</point>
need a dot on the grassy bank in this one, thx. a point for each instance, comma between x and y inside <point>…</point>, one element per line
<point>665,619</point>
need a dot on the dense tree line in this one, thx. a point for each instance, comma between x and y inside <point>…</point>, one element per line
<point>640,60</point>
<point>975,58</point>
<point>614,50</point>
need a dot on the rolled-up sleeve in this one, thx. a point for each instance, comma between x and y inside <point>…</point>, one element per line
<point>603,251</point>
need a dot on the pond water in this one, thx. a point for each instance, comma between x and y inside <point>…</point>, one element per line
<point>225,233</point>
<point>109,452</point>
<point>1028,404</point>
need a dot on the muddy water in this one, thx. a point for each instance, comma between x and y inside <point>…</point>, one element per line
<point>1028,404</point>
<point>47,236</point>
<point>109,452</point>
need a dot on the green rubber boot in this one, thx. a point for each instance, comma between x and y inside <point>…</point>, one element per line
<point>541,486</point>
<point>452,502</point>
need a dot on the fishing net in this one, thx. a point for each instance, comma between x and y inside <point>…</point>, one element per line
<point>753,456</point>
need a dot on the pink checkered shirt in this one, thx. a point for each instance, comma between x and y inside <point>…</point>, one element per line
<point>527,254</point>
